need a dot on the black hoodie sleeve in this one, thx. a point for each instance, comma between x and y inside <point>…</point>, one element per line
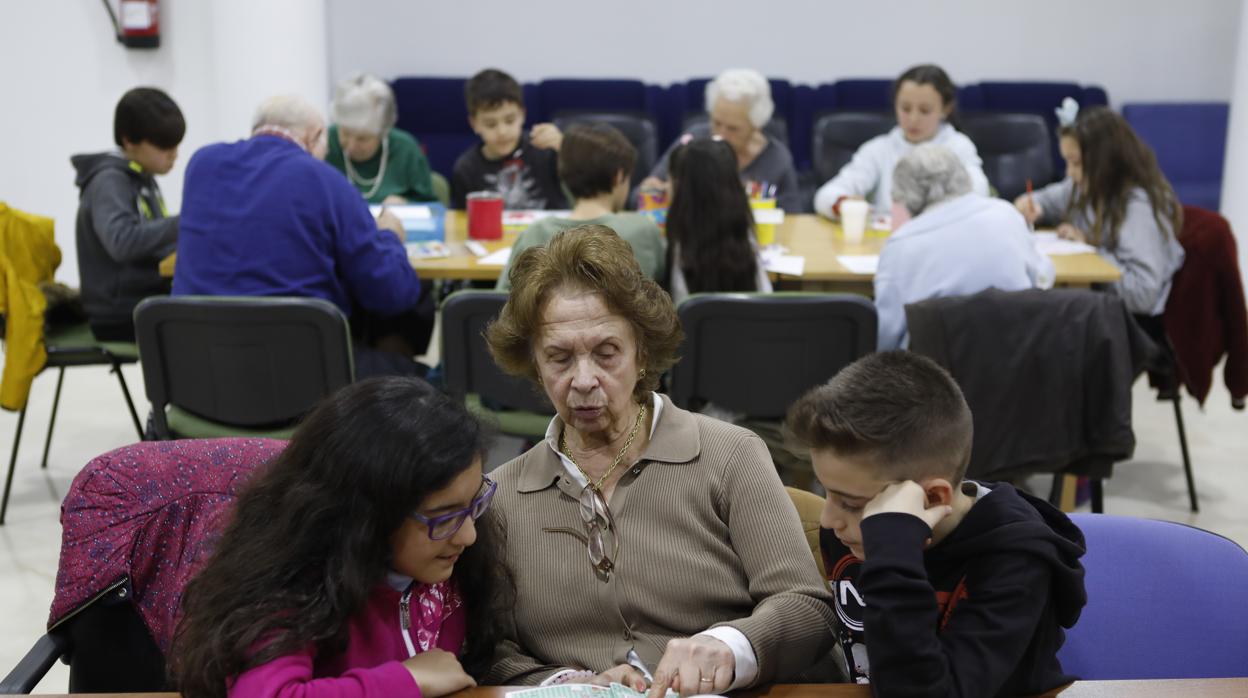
<point>985,636</point>
<point>120,227</point>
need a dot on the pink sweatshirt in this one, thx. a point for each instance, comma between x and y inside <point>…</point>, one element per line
<point>371,666</point>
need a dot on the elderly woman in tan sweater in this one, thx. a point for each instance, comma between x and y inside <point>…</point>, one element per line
<point>649,544</point>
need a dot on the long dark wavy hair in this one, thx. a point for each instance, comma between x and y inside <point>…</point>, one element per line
<point>310,536</point>
<point>1115,162</point>
<point>710,220</point>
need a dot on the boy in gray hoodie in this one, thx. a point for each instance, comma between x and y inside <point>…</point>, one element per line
<point>123,227</point>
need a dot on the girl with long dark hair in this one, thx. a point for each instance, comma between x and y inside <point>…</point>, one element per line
<point>1115,198</point>
<point>710,227</point>
<point>355,564</point>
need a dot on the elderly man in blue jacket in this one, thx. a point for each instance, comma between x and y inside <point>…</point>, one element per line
<point>266,217</point>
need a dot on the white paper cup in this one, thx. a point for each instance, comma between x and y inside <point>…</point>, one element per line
<point>854,213</point>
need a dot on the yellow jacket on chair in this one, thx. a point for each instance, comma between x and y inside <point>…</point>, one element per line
<point>28,256</point>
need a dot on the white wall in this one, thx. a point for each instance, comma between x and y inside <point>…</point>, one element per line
<point>1235,177</point>
<point>1137,49</point>
<point>62,72</point>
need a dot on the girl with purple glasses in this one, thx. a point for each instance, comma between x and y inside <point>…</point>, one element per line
<point>356,563</point>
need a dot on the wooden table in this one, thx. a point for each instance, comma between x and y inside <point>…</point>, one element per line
<point>1187,688</point>
<point>813,237</point>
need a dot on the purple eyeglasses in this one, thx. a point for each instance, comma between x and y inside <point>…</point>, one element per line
<point>444,526</point>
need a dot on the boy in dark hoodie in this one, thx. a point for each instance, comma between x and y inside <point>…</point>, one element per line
<point>123,227</point>
<point>942,586</point>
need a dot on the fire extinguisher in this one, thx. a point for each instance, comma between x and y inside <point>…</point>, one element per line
<point>138,25</point>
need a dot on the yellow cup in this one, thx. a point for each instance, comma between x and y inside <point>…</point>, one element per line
<point>766,233</point>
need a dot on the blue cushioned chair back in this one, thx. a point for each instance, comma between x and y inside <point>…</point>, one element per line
<point>1039,98</point>
<point>1165,601</point>
<point>466,359</point>
<point>638,129</point>
<point>433,110</point>
<point>558,96</point>
<point>1015,148</point>
<point>1190,143</point>
<point>757,353</point>
<point>838,135</point>
<point>873,94</point>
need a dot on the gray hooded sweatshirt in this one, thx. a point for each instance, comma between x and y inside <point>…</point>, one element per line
<point>122,234</point>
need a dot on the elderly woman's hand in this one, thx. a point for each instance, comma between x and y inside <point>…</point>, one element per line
<point>625,674</point>
<point>693,665</point>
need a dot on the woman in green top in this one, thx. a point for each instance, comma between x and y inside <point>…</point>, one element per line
<point>386,164</point>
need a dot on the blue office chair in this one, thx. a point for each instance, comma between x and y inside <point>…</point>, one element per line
<point>1015,149</point>
<point>1039,98</point>
<point>838,135</point>
<point>1165,601</point>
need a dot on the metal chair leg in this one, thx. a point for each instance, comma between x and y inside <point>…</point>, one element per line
<point>134,415</point>
<point>1098,495</point>
<point>1055,489</point>
<point>1187,459</point>
<point>56,402</point>
<point>8,482</point>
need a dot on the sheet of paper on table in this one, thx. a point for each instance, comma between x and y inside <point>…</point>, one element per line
<point>404,212</point>
<point>787,264</point>
<point>768,216</point>
<point>524,218</point>
<point>1047,242</point>
<point>582,690</point>
<point>859,263</point>
<point>422,222</point>
<point>497,258</point>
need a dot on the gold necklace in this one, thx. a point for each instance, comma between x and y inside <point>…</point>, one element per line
<point>619,457</point>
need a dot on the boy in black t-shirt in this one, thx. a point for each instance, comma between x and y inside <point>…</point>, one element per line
<point>522,167</point>
<point>942,586</point>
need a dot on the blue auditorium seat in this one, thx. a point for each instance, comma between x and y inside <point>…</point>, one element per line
<point>1190,142</point>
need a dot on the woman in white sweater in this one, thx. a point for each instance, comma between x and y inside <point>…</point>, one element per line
<point>924,98</point>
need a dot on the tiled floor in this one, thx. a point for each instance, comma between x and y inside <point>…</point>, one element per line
<point>93,419</point>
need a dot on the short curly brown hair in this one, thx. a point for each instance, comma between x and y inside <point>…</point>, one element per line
<point>596,259</point>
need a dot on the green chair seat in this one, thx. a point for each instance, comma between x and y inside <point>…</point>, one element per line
<point>189,425</point>
<point>214,365</point>
<point>78,336</point>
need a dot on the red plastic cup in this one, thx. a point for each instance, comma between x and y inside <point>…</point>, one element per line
<point>485,215</point>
